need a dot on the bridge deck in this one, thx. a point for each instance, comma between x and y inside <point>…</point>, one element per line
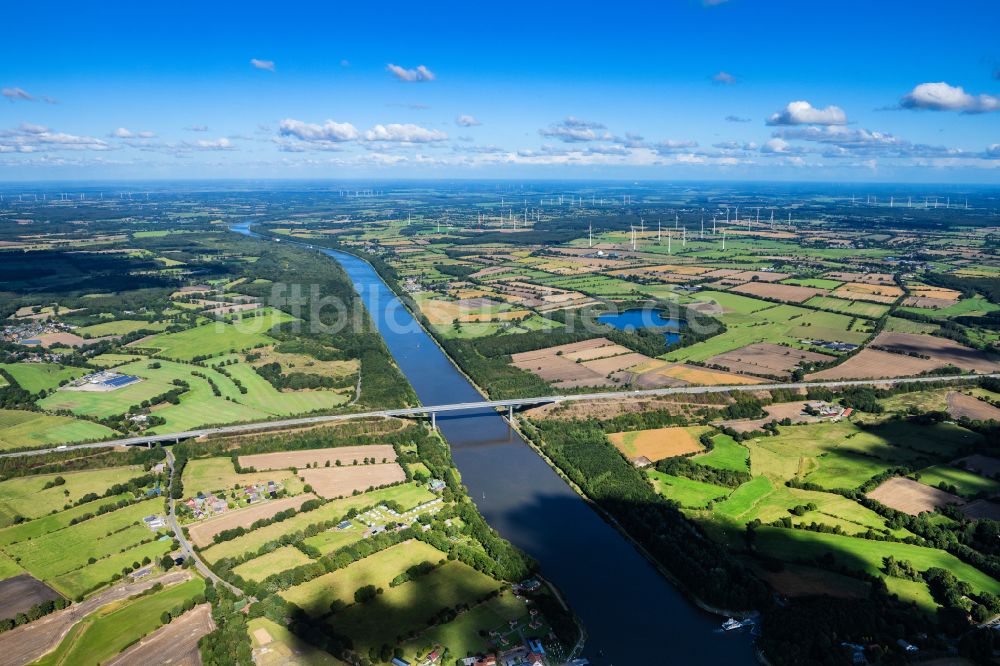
<point>427,410</point>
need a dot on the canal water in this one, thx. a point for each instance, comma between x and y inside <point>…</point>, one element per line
<point>631,613</point>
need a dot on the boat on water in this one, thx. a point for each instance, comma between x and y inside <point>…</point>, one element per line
<point>731,624</point>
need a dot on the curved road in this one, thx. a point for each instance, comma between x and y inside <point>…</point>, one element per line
<point>186,549</point>
<point>146,440</point>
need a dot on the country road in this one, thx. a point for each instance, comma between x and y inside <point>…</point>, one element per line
<point>424,410</point>
<point>186,549</point>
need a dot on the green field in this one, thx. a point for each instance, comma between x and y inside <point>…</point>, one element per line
<point>331,540</point>
<point>922,401</point>
<point>287,648</point>
<point>408,607</point>
<point>198,406</point>
<point>466,634</point>
<point>206,340</point>
<point>968,484</point>
<point>119,327</point>
<point>966,306</point>
<point>408,495</point>
<point>35,377</point>
<point>62,551</point>
<point>686,492</point>
<point>36,430</point>
<point>213,474</point>
<point>816,283</point>
<point>725,454</point>
<point>750,320</point>
<point>111,360</point>
<point>53,521</point>
<point>865,555</point>
<point>900,325</point>
<point>841,455</point>
<point>742,503</point>
<point>263,396</point>
<point>763,500</point>
<point>860,308</point>
<point>26,497</point>
<point>108,631</point>
<point>91,577</point>
<point>316,595</point>
<point>8,567</point>
<point>282,559</point>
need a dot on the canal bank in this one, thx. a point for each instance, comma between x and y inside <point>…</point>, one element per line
<point>631,613</point>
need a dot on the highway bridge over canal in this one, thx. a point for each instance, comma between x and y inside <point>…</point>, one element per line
<point>431,411</point>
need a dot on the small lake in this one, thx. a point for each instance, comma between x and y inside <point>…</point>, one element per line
<point>631,320</point>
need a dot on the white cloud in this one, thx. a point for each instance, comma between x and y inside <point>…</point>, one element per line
<point>467,121</point>
<point>420,74</point>
<point>197,128</point>
<point>851,142</point>
<point>29,138</point>
<point>736,119</point>
<point>576,130</point>
<point>943,97</point>
<point>17,94</point>
<point>993,152</point>
<point>724,78</point>
<point>804,113</point>
<point>775,146</point>
<point>124,133</point>
<point>212,144</point>
<point>329,132</point>
<point>31,128</point>
<point>670,146</point>
<point>333,135</point>
<point>267,65</point>
<point>404,133</point>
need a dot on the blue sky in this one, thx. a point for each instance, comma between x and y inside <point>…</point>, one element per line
<point>737,89</point>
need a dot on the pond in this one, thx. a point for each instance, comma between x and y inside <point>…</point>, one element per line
<point>631,320</point>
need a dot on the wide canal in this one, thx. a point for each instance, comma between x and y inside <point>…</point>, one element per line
<point>632,614</point>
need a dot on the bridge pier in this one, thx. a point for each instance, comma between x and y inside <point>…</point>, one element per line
<point>510,414</point>
<point>434,425</point>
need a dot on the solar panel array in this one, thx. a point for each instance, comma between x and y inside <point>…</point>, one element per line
<point>116,382</point>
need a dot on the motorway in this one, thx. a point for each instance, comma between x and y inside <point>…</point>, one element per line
<point>430,410</point>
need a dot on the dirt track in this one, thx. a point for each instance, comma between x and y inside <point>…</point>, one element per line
<point>28,642</point>
<point>175,643</point>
